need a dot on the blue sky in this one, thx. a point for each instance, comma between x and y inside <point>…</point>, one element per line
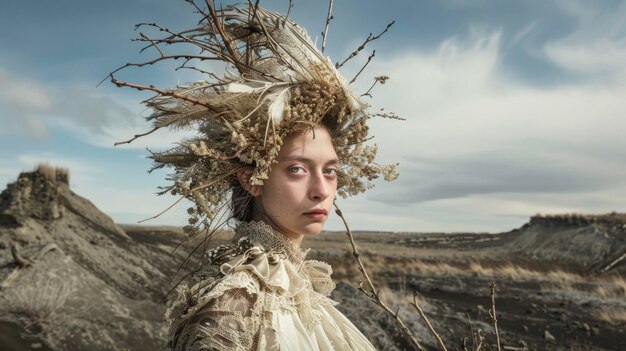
<point>513,108</point>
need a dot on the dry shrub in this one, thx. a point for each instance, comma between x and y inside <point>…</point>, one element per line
<point>54,174</point>
<point>41,303</point>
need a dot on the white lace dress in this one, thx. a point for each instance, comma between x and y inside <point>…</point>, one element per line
<point>267,298</point>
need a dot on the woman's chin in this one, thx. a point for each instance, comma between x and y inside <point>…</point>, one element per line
<point>312,228</point>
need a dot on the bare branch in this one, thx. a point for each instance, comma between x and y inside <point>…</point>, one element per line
<point>427,322</point>
<point>492,313</point>
<point>226,175</point>
<point>373,293</point>
<point>362,46</point>
<point>329,17</point>
<point>200,11</point>
<point>290,6</point>
<point>390,115</point>
<point>136,136</point>
<point>161,92</point>
<point>379,79</point>
<point>19,260</point>
<point>161,58</point>
<point>153,44</point>
<point>170,39</point>
<point>369,58</point>
<point>219,25</point>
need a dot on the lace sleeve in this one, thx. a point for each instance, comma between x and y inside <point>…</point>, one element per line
<point>229,322</point>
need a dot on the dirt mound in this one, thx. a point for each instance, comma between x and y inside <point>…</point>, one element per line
<point>100,283</point>
<point>584,243</point>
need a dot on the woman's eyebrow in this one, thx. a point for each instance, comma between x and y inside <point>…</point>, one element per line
<point>332,161</point>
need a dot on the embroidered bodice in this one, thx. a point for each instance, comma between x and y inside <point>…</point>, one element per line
<point>268,297</point>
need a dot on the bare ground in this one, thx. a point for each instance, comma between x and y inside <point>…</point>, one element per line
<point>560,279</point>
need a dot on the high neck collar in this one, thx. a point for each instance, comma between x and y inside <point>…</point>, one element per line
<point>264,235</point>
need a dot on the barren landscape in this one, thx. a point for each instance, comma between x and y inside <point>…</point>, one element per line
<point>72,279</point>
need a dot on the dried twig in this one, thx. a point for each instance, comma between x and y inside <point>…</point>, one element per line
<point>19,260</point>
<point>471,333</point>
<point>329,17</point>
<point>226,175</point>
<point>480,339</point>
<point>136,136</point>
<point>427,322</point>
<point>161,92</point>
<point>219,25</point>
<point>369,58</point>
<point>492,314</point>
<point>362,46</point>
<point>153,43</point>
<point>158,59</point>
<point>379,79</point>
<point>289,7</point>
<point>25,262</point>
<point>373,293</point>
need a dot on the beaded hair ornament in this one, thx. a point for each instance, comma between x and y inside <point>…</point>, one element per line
<point>275,82</point>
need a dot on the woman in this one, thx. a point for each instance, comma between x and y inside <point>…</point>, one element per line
<point>270,297</point>
<point>278,136</point>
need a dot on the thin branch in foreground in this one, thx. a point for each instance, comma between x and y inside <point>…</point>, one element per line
<point>362,46</point>
<point>161,92</point>
<point>136,136</point>
<point>289,7</point>
<point>219,25</point>
<point>369,58</point>
<point>492,314</point>
<point>427,322</point>
<point>373,293</point>
<point>329,18</point>
<point>226,175</point>
<point>379,79</point>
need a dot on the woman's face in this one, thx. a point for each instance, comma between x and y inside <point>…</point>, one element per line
<point>298,195</point>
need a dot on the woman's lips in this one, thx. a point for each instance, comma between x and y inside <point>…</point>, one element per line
<point>316,215</point>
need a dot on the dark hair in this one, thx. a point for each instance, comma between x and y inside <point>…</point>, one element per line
<point>242,203</point>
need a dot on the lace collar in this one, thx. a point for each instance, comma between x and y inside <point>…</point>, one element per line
<point>262,234</point>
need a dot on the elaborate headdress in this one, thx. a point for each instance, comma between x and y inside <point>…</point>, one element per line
<point>276,82</point>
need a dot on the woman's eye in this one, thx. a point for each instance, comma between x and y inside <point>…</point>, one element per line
<point>330,171</point>
<point>296,169</point>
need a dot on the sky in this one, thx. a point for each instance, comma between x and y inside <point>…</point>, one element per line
<point>512,108</point>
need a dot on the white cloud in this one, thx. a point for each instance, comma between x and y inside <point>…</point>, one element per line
<point>522,33</point>
<point>98,118</point>
<point>36,128</point>
<point>597,47</point>
<point>21,93</point>
<point>484,148</point>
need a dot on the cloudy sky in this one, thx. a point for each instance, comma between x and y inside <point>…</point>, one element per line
<point>512,107</point>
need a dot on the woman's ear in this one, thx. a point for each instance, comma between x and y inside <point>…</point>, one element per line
<point>243,175</point>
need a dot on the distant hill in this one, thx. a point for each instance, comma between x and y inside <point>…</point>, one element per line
<point>101,285</point>
<point>586,243</point>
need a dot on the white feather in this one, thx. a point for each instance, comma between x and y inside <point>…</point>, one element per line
<point>247,87</point>
<point>276,109</point>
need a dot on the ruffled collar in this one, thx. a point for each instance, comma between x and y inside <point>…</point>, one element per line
<point>262,234</point>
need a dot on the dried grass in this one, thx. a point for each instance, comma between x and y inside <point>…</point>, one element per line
<point>42,304</point>
<point>610,314</point>
<point>53,174</point>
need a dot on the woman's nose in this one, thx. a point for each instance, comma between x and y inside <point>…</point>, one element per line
<point>319,187</point>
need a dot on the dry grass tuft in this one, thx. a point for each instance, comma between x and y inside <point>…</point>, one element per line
<point>610,314</point>
<point>42,304</point>
<point>54,174</point>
